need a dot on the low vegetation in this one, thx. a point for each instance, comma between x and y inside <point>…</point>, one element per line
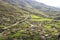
<point>19,24</point>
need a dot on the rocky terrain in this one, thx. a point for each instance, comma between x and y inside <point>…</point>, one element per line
<point>28,20</point>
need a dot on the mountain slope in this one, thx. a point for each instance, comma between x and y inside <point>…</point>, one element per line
<point>8,13</point>
<point>10,18</point>
<point>20,21</point>
<point>29,5</point>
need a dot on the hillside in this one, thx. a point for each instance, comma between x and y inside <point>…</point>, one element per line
<point>20,20</point>
<point>29,5</point>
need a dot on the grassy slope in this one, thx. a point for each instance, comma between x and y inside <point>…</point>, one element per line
<point>36,27</point>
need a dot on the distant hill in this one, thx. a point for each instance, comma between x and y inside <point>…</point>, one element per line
<point>33,5</point>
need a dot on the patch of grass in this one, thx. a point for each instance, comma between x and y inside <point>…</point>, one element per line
<point>42,19</point>
<point>37,18</point>
<point>34,16</point>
